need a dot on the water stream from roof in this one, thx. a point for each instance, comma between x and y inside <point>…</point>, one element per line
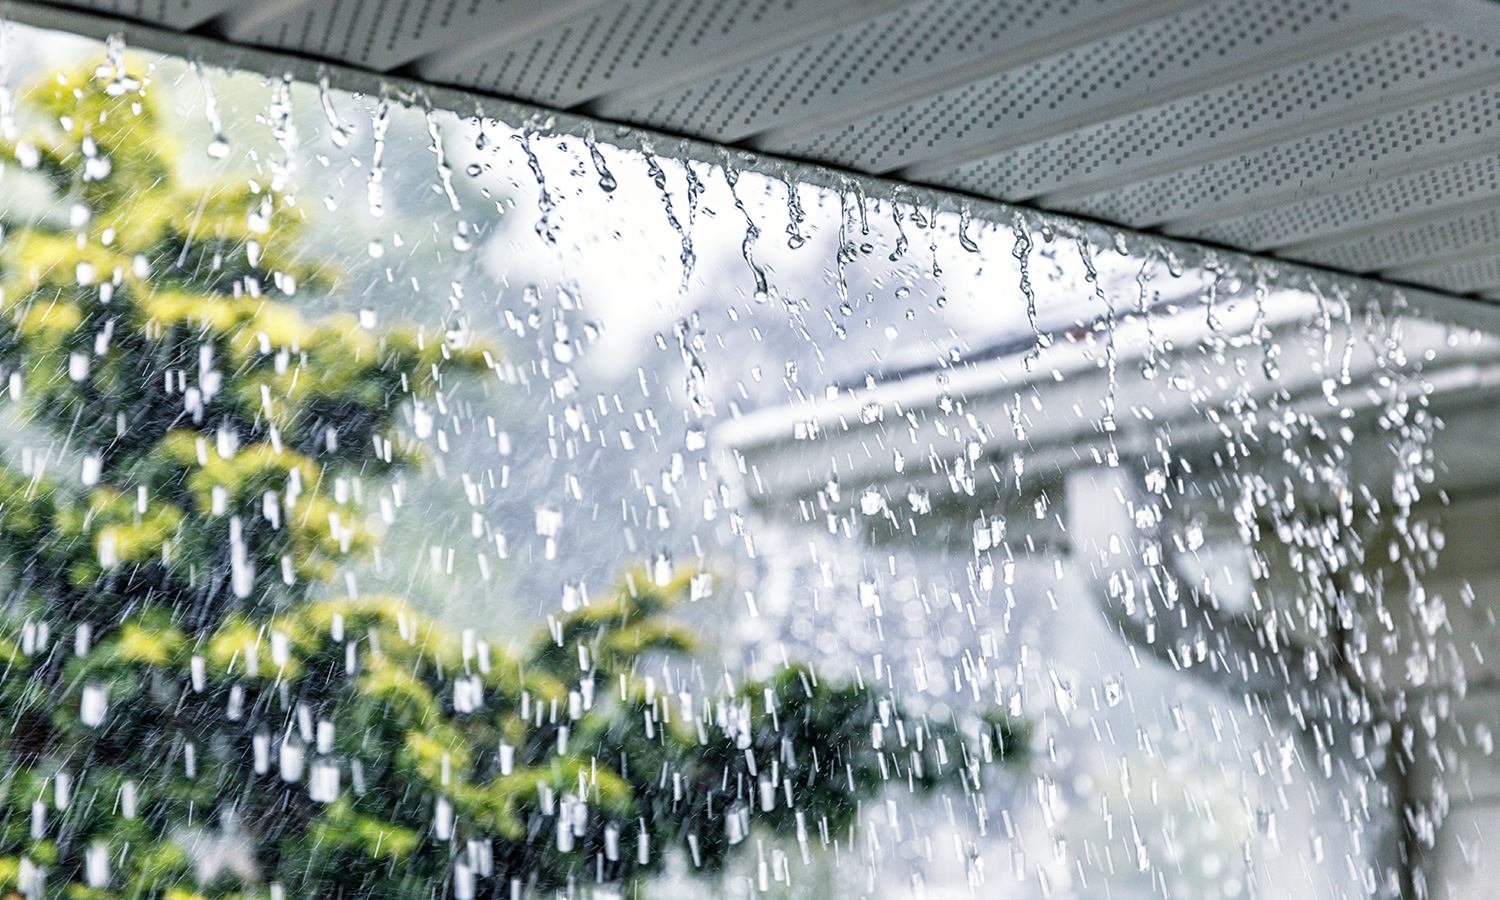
<point>1049,561</point>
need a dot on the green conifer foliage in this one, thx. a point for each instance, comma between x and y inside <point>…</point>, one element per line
<point>174,668</point>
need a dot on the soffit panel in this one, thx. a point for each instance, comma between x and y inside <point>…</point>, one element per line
<point>1354,134</point>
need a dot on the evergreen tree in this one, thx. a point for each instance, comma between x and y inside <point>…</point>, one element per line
<point>176,665</point>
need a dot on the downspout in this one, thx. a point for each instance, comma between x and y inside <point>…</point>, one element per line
<point>1167,611</point>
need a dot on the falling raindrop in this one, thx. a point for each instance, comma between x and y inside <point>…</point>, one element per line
<point>338,133</point>
<point>94,705</point>
<point>964,240</point>
<point>462,240</point>
<point>752,231</point>
<point>695,189</point>
<point>659,178</point>
<point>1114,691</point>
<point>445,172</point>
<point>842,255</point>
<point>121,82</point>
<point>218,146</point>
<point>794,214</point>
<point>96,865</point>
<point>932,228</point>
<point>1022,252</point>
<point>899,250</point>
<point>284,132</point>
<point>1260,331</point>
<point>1215,268</point>
<point>375,183</point>
<point>544,202</point>
<point>1149,363</point>
<point>607,182</point>
<point>1111,352</point>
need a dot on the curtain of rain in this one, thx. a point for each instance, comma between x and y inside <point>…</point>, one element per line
<point>409,494</point>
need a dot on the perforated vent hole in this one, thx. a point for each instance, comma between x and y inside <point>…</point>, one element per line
<point>1467,277</point>
<point>1363,205</point>
<point>857,61</point>
<point>1215,120</point>
<point>1409,246</point>
<point>584,57</point>
<point>1130,63</point>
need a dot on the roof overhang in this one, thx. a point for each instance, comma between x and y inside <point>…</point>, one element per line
<point>1355,135</point>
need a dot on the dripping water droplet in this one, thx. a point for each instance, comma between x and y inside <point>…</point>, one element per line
<point>339,134</point>
<point>607,181</point>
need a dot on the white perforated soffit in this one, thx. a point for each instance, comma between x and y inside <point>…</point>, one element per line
<point>1360,135</point>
